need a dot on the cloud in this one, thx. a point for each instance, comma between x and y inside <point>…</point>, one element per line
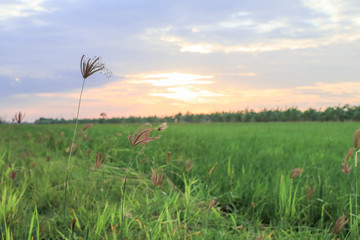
<point>264,46</point>
<point>163,93</point>
<point>20,8</point>
<point>330,22</point>
<point>172,79</point>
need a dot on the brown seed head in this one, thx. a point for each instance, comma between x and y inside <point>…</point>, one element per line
<point>19,117</point>
<point>310,192</point>
<point>212,203</point>
<point>296,172</point>
<point>73,224</point>
<point>99,160</point>
<point>87,127</point>
<point>340,223</point>
<point>356,138</point>
<point>141,135</point>
<point>12,174</point>
<point>90,66</point>
<point>168,158</point>
<point>103,115</point>
<point>188,165</point>
<point>346,168</point>
<point>349,153</point>
<point>156,179</point>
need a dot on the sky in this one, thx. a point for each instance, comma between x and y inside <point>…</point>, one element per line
<point>183,56</point>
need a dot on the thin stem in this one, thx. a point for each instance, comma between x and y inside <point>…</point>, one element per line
<point>71,149</point>
<point>123,196</point>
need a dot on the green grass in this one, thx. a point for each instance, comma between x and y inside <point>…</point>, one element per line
<point>244,167</point>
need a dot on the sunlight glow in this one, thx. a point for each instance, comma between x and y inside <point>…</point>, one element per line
<point>173,79</point>
<point>187,94</point>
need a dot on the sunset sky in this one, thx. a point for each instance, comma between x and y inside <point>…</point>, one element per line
<point>177,56</point>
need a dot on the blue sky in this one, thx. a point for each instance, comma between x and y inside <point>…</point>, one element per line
<point>176,56</point>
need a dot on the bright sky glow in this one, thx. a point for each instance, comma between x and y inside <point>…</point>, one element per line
<point>169,57</point>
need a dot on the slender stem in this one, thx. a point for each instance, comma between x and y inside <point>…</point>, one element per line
<point>123,196</point>
<point>71,149</point>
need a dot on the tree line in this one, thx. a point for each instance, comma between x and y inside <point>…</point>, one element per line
<point>339,113</point>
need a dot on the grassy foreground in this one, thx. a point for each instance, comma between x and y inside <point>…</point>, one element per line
<point>221,181</point>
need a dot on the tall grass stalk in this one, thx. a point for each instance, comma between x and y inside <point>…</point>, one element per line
<point>88,67</point>
<point>71,149</point>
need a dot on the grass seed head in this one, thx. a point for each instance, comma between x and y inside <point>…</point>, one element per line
<point>18,117</point>
<point>99,160</point>
<point>13,174</point>
<point>296,172</point>
<point>346,168</point>
<point>168,158</point>
<point>141,135</point>
<point>156,179</point>
<point>310,192</point>
<point>349,153</point>
<point>87,127</point>
<point>188,165</point>
<point>103,115</point>
<point>356,138</point>
<point>212,203</point>
<point>340,223</point>
<point>89,66</point>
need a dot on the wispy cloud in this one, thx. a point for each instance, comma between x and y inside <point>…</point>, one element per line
<point>20,8</point>
<point>332,22</point>
<point>172,79</point>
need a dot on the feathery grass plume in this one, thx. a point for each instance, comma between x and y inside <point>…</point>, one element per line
<point>340,223</point>
<point>141,135</point>
<point>296,172</point>
<point>88,67</point>
<point>356,138</point>
<point>346,168</point>
<point>19,117</point>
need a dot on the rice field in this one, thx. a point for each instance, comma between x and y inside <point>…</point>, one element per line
<point>197,181</point>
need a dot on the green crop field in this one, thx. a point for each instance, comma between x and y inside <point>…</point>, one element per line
<point>197,181</point>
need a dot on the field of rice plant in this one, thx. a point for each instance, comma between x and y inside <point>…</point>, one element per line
<point>197,181</point>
